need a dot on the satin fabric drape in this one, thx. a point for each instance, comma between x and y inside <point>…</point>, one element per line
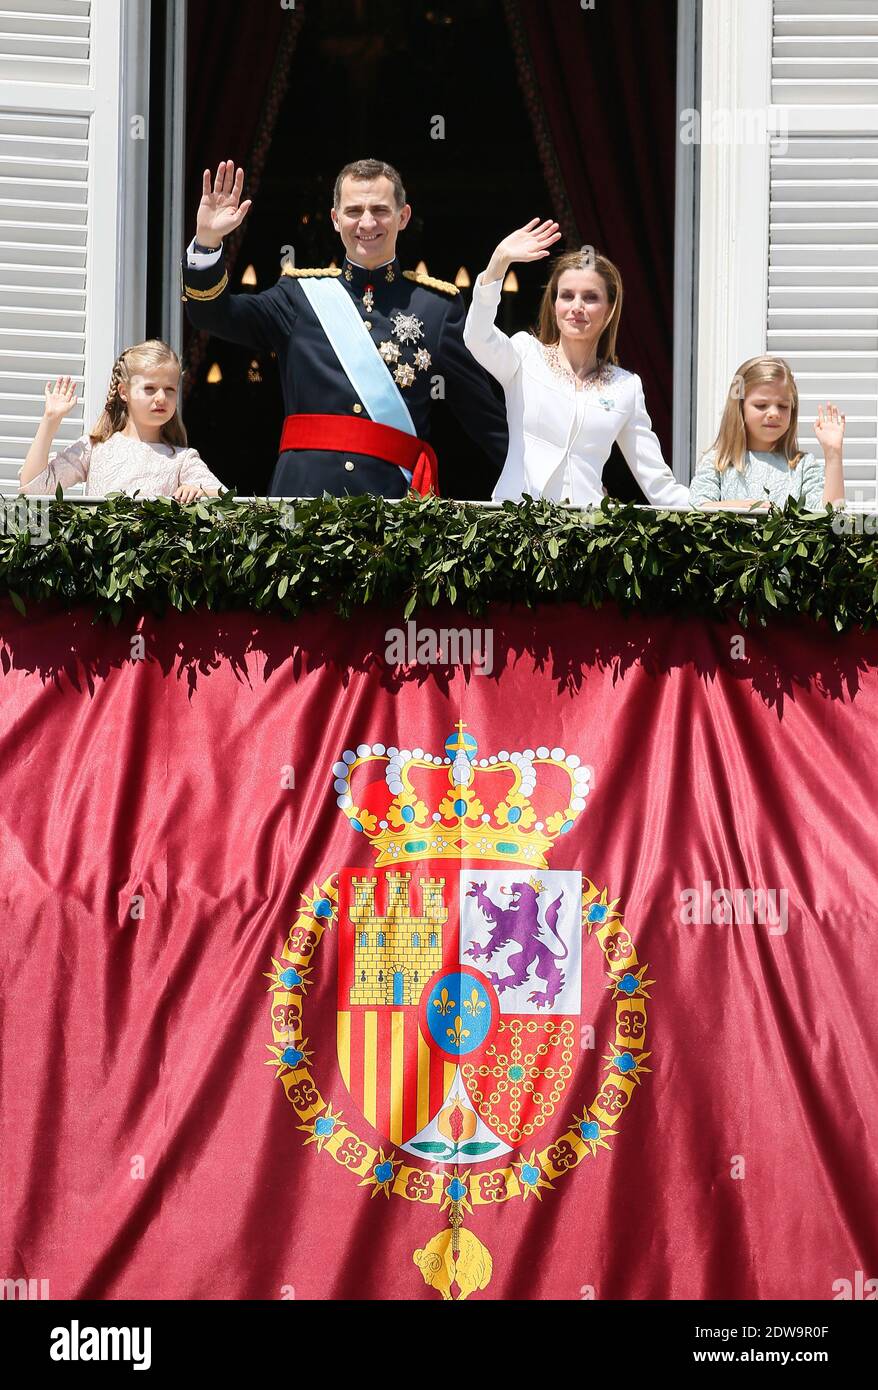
<point>154,858</point>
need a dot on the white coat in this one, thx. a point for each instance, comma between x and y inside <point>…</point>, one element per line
<point>560,436</point>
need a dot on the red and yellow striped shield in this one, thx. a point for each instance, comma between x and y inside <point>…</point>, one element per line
<point>398,927</point>
<point>451,1000</point>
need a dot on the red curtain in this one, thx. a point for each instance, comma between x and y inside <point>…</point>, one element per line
<point>195,1107</point>
<point>600,86</point>
<point>236,78</point>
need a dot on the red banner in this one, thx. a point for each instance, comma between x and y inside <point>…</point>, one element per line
<point>544,975</point>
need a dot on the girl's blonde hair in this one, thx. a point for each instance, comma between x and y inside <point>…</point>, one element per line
<point>134,361</point>
<point>547,330</point>
<point>731,440</point>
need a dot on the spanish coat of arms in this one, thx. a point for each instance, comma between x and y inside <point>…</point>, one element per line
<point>460,967</point>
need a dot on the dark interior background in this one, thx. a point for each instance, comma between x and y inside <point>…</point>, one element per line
<point>295,94</point>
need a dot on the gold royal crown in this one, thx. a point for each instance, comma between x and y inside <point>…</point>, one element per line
<point>456,805</point>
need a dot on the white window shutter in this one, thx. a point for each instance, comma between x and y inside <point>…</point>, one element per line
<point>822,313</point>
<point>43,246</point>
<point>45,42</point>
<point>63,151</point>
<point>824,53</point>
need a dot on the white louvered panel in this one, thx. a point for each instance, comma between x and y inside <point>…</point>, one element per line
<point>45,41</point>
<point>825,53</point>
<point>44,168</point>
<point>823,288</point>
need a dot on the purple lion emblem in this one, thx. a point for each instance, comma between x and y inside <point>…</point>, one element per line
<point>520,923</point>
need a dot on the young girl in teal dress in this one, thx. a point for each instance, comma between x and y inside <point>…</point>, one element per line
<point>755,456</point>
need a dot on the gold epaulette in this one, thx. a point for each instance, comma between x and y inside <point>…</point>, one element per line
<point>430,281</point>
<point>311,270</point>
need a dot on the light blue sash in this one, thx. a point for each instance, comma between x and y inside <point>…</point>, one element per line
<point>363,364</point>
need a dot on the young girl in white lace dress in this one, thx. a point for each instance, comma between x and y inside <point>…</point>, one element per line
<point>138,444</point>
<point>756,457</point>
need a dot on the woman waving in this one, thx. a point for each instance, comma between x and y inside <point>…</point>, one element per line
<point>567,400</point>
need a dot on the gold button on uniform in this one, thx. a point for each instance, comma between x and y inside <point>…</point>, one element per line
<point>366,323</point>
<point>349,467</point>
<point>358,409</point>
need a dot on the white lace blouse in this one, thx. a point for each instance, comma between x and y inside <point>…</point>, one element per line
<point>123,464</point>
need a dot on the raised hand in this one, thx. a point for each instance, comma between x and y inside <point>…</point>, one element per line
<point>829,427</point>
<point>529,243</point>
<point>221,210</point>
<point>60,399</point>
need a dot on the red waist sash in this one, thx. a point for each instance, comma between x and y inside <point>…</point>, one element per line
<point>351,434</point>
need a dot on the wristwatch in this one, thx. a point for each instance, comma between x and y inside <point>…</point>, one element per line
<point>206,250</point>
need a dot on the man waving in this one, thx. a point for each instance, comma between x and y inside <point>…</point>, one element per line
<point>359,348</point>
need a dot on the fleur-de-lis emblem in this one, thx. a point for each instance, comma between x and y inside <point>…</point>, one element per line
<point>458,1032</point>
<point>474,1004</point>
<point>444,1003</point>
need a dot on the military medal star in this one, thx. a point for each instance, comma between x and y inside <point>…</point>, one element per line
<point>422,359</point>
<point>407,328</point>
<point>404,374</point>
<point>389,351</point>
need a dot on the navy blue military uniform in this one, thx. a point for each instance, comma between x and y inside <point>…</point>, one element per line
<point>415,321</point>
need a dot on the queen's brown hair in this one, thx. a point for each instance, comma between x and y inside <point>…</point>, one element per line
<point>135,361</point>
<point>547,324</point>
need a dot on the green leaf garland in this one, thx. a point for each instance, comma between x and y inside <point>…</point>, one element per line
<point>125,554</point>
